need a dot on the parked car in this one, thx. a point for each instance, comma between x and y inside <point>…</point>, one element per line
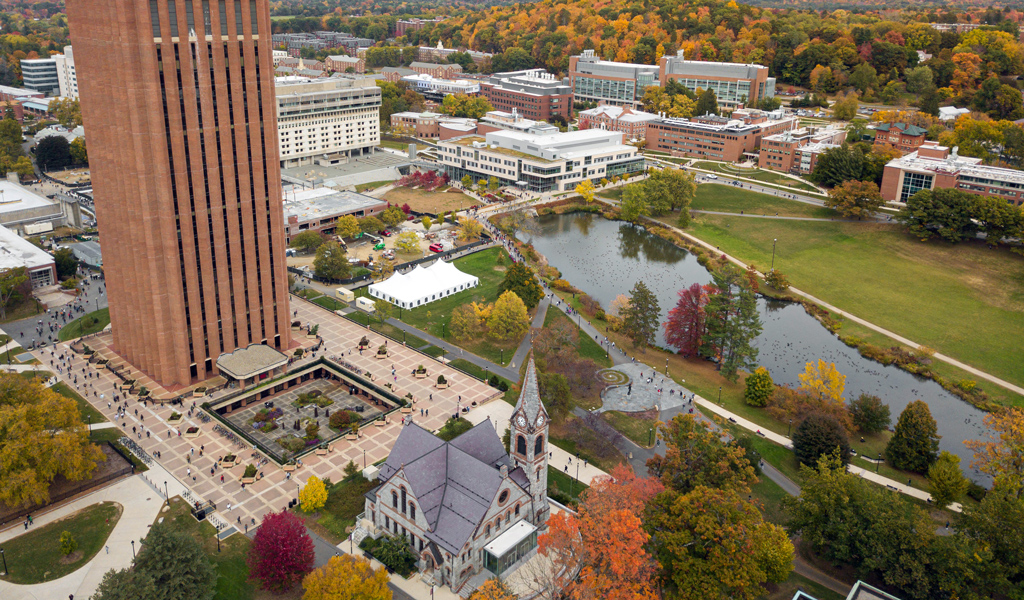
<point>386,233</point>
<point>436,247</point>
<point>712,176</point>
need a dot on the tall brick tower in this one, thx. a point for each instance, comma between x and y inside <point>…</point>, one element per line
<point>178,100</point>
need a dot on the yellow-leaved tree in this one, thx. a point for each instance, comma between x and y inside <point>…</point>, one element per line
<point>509,318</point>
<point>493,589</point>
<point>1001,459</point>
<point>346,578</point>
<point>313,495</point>
<point>41,436</point>
<point>823,381</point>
<point>586,191</point>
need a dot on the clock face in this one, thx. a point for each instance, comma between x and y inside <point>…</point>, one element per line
<point>540,420</point>
<point>521,421</point>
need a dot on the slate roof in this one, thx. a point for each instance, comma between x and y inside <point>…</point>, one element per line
<point>903,127</point>
<point>529,399</point>
<point>454,482</point>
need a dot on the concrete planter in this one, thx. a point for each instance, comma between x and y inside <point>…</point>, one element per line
<point>198,394</point>
<point>227,464</point>
<point>175,422</point>
<point>311,336</point>
<point>192,434</point>
<point>442,386</point>
<point>419,375</point>
<point>383,356</point>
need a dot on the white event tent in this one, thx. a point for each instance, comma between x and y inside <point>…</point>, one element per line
<point>423,285</point>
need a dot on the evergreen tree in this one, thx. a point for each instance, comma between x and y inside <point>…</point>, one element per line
<point>759,387</point>
<point>732,322</point>
<point>819,435</point>
<point>177,566</point>
<point>707,104</point>
<point>519,279</point>
<point>641,316</point>
<point>915,444</point>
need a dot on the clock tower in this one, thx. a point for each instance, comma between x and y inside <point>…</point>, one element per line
<point>529,443</point>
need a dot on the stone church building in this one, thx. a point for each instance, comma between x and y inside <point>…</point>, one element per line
<point>467,507</point>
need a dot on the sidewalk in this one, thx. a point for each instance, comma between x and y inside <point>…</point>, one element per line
<point>141,506</point>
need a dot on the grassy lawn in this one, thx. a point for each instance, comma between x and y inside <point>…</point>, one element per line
<point>362,187</point>
<point>25,309</point>
<point>636,426</point>
<point>561,482</point>
<point>386,329</point>
<point>86,324</point>
<point>788,588</point>
<point>920,290</point>
<point>432,351</point>
<point>770,496</point>
<point>761,175</point>
<point>344,503</point>
<point>729,198</point>
<point>233,573</point>
<point>586,348</point>
<point>110,434</point>
<point>434,317</point>
<point>613,194</point>
<point>397,145</point>
<point>35,556</point>
<point>329,303</point>
<point>89,414</point>
<point>429,202</point>
<point>559,434</point>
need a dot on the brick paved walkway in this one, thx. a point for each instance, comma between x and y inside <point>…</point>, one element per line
<point>272,493</point>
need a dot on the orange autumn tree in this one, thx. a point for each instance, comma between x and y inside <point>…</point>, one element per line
<point>604,543</point>
<point>1002,459</point>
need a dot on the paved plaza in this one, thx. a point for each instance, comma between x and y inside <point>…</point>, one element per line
<point>649,389</point>
<point>192,461</point>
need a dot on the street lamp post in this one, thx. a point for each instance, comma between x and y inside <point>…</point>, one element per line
<point>666,367</point>
<point>502,350</point>
<point>773,253</point>
<point>719,395</point>
<point>879,462</point>
<point>133,549</point>
<point>166,495</point>
<point>364,459</point>
<point>790,428</point>
<point>650,436</point>
<point>4,556</point>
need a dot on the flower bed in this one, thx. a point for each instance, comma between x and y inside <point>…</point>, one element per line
<point>228,461</point>
<point>192,432</point>
<point>174,419</point>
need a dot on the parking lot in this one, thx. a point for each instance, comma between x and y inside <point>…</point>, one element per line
<point>365,249</point>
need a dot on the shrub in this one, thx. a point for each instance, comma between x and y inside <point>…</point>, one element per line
<point>67,543</point>
<point>967,385</point>
<point>976,492</point>
<point>777,280</point>
<point>312,431</point>
<point>441,380</point>
<point>350,471</point>
<point>421,369</point>
<point>817,435</point>
<point>364,342</point>
<point>869,414</point>
<point>503,385</point>
<point>342,419</point>
<point>69,284</point>
<point>590,304</point>
<point>493,381</point>
<point>599,315</point>
<point>393,552</point>
<point>250,471</point>
<point>175,415</point>
<point>759,387</point>
<point>382,349</point>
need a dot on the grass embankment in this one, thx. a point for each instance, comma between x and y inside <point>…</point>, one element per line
<point>729,198</point>
<point>559,483</point>
<point>432,203</point>
<point>35,556</point>
<point>964,300</point>
<point>641,428</point>
<point>86,324</point>
<point>586,347</point>
<point>232,571</point>
<point>386,329</point>
<point>761,175</point>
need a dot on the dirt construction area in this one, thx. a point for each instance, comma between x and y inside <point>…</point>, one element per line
<point>429,202</point>
<point>72,176</point>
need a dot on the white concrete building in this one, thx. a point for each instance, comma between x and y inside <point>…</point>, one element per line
<point>40,74</point>
<point>67,79</point>
<point>326,121</point>
<point>16,251</point>
<point>541,163</point>
<point>426,84</point>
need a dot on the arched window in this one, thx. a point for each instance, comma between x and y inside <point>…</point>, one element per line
<point>488,530</point>
<point>521,445</point>
<point>394,500</point>
<point>412,511</point>
<point>538,446</point>
<point>517,510</point>
<point>403,500</point>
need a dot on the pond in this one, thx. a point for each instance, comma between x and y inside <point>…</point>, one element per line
<point>606,258</point>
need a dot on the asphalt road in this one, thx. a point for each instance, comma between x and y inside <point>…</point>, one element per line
<point>26,332</point>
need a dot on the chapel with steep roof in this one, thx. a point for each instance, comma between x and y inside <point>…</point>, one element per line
<point>467,507</point>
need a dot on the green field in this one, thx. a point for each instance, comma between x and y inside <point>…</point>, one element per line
<point>964,300</point>
<point>387,329</point>
<point>229,562</point>
<point>398,145</point>
<point>89,414</point>
<point>35,556</point>
<point>761,175</point>
<point>729,198</point>
<point>563,483</point>
<point>434,317</point>
<point>586,347</point>
<point>344,503</point>
<point>86,324</point>
<point>640,430</point>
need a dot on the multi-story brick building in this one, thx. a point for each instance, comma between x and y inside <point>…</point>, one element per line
<point>436,70</point>
<point>734,84</point>
<point>631,123</point>
<point>318,209</point>
<point>439,52</point>
<point>717,138</point>
<point>499,120</point>
<point>467,507</point>
<point>554,162</point>
<point>326,121</point>
<point>406,25</point>
<point>797,151</point>
<point>621,84</point>
<point>533,93</point>
<point>341,63</point>
<point>186,180</point>
<point>902,136</point>
<point>430,125</point>
<point>933,166</point>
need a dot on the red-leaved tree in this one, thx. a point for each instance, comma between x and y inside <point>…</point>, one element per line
<point>687,322</point>
<point>599,552</point>
<point>281,553</point>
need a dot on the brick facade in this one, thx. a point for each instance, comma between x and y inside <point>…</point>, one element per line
<point>188,202</point>
<point>905,138</point>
